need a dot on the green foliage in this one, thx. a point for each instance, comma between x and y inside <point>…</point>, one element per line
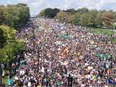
<point>88,19</point>
<point>14,15</point>
<point>61,16</point>
<point>114,16</point>
<point>10,49</point>
<point>70,11</point>
<point>41,14</point>
<point>11,15</point>
<point>8,32</point>
<point>11,46</point>
<point>75,18</point>
<point>1,14</point>
<point>82,10</point>
<point>49,13</point>
<point>91,15</point>
<point>64,17</point>
<point>2,39</point>
<point>83,20</point>
<point>107,19</point>
<point>24,13</point>
<point>83,17</point>
<point>102,31</point>
<point>98,22</point>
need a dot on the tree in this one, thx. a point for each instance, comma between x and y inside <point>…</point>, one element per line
<point>1,14</point>
<point>24,13</point>
<point>107,19</point>
<point>22,4</point>
<point>91,15</point>
<point>41,14</point>
<point>72,11</point>
<point>64,17</point>
<point>75,18</point>
<point>114,16</point>
<point>49,12</point>
<point>82,16</point>
<point>11,46</point>
<point>2,39</point>
<point>82,10</point>
<point>83,20</point>
<point>55,11</point>
<point>61,16</point>
<point>16,15</point>
<point>89,19</point>
<point>98,21</point>
<point>8,32</point>
<point>11,15</point>
<point>8,35</point>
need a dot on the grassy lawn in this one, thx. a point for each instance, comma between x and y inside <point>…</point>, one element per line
<point>102,31</point>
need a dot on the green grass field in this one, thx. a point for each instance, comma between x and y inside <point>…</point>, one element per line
<point>102,31</point>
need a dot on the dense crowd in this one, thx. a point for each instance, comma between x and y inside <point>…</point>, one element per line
<point>64,55</point>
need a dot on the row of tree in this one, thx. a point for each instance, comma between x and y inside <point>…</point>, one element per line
<point>82,17</point>
<point>11,18</point>
<point>14,15</point>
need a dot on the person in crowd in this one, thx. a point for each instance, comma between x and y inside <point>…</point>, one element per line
<point>64,55</point>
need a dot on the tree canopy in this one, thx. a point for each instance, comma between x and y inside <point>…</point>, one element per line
<point>82,17</point>
<point>14,15</point>
<point>107,18</point>
<point>9,45</point>
<point>49,12</point>
<point>2,39</point>
<point>11,17</point>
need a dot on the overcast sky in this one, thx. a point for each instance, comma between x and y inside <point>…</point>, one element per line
<point>37,5</point>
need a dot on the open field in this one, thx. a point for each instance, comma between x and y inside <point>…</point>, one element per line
<point>102,31</point>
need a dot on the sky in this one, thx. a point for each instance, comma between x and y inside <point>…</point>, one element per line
<point>37,5</point>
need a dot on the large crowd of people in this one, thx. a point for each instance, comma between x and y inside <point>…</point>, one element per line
<point>64,55</point>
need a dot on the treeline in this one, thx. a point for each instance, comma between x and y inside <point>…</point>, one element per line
<point>14,15</point>
<point>9,47</point>
<point>11,18</point>
<point>82,17</point>
<point>49,12</point>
